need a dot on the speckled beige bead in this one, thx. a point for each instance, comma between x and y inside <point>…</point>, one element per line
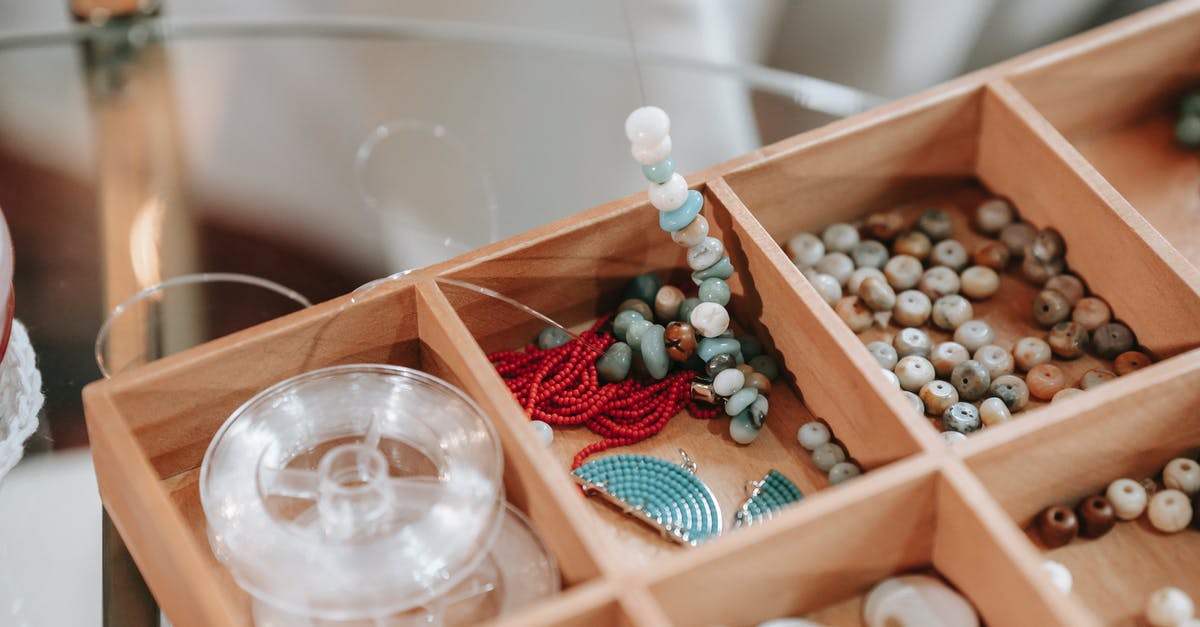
<point>946,355</point>
<point>992,255</point>
<point>1170,511</point>
<point>827,286</point>
<point>839,237</point>
<point>912,341</point>
<point>1182,474</point>
<point>859,275</point>
<point>1094,377</point>
<point>939,281</point>
<point>1068,340</point>
<point>950,311</point>
<point>855,313</point>
<point>1068,285</point>
<point>974,333</point>
<point>869,253</point>
<point>1129,361</point>
<point>914,243</point>
<point>995,358</point>
<point>667,301</point>
<point>1037,272</point>
<point>979,282</point>
<point>877,294</point>
<point>883,225</point>
<point>971,380</point>
<point>1091,312</point>
<point>1012,390</point>
<point>800,247</point>
<point>1128,498</point>
<point>938,396</point>
<point>993,411</point>
<point>891,377</point>
<point>837,265</point>
<point>912,309</point>
<point>949,253</point>
<point>884,353</point>
<point>914,371</point>
<point>903,271</point>
<point>1031,351</point>
<point>1044,380</point>
<point>1050,308</point>
<point>1016,237</point>
<point>1065,394</point>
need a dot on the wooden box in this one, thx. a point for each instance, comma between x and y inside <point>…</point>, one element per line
<point>1076,135</point>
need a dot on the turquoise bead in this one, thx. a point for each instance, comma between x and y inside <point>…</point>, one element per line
<point>552,337</point>
<point>766,365</point>
<point>751,347</point>
<point>614,365</point>
<point>1187,131</point>
<point>654,352</point>
<point>643,287</point>
<point>633,336</point>
<point>685,309</point>
<point>676,219</point>
<point>622,321</point>
<point>660,172</point>
<point>741,429</point>
<point>719,270</point>
<point>714,291</point>
<point>740,401</point>
<point>710,347</point>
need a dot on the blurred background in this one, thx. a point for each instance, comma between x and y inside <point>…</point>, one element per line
<point>319,145</point>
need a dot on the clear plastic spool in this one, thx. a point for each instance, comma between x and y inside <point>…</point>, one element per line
<point>353,493</point>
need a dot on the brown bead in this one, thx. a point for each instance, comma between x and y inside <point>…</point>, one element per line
<point>1045,380</point>
<point>746,369</point>
<point>1068,340</point>
<point>1056,525</point>
<point>992,255</point>
<point>1096,516</point>
<point>760,382</point>
<point>883,225</point>
<point>1129,361</point>
<point>680,339</point>
<point>639,306</point>
<point>912,243</point>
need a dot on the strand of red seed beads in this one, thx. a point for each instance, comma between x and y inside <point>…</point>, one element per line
<point>683,345</point>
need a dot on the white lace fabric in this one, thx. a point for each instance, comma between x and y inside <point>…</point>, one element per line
<point>21,397</point>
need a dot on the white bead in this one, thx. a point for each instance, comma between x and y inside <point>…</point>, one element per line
<point>709,319</point>
<point>839,237</point>
<point>706,253</point>
<point>1060,575</point>
<point>728,381</point>
<point>903,271</point>
<point>917,601</point>
<point>973,334</point>
<point>1128,498</point>
<point>650,155</point>
<point>670,195</point>
<point>647,125</point>
<point>950,437</point>
<point>979,282</point>
<point>1170,511</point>
<point>543,431</point>
<point>913,372</point>
<point>1182,474</point>
<point>854,282</point>
<point>939,281</point>
<point>827,286</point>
<point>837,265</point>
<point>692,234</point>
<point>805,249</point>
<point>890,376</point>
<point>1169,607</point>
<point>812,434</point>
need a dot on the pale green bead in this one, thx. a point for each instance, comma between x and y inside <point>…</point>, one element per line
<point>622,320</point>
<point>659,172</point>
<point>552,337</point>
<point>828,455</point>
<point>686,307</point>
<point>740,401</point>
<point>842,471</point>
<point>751,347</point>
<point>633,336</point>
<point>714,291</point>
<point>654,352</point>
<point>710,347</point>
<point>643,287</point>
<point>742,429</point>
<point>719,270</point>
<point>614,365</point>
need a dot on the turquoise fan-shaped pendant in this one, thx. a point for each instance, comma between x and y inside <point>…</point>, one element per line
<point>767,496</point>
<point>663,495</point>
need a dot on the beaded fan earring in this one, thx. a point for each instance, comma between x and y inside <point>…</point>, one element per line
<point>766,497</point>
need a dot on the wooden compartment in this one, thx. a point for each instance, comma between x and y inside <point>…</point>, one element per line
<point>1115,97</point>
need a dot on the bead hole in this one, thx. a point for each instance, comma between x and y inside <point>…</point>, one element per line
<point>1058,516</point>
<point>1128,490</point>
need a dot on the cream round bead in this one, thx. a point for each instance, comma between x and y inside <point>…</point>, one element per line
<point>1059,574</point>
<point>728,382</point>
<point>709,319</point>
<point>1182,474</point>
<point>855,313</point>
<point>839,237</point>
<point>667,302</point>
<point>543,431</point>
<point>827,456</point>
<point>838,265</point>
<point>949,253</point>
<point>946,355</point>
<point>694,233</point>
<point>813,434</point>
<point>912,341</point>
<point>903,271</point>
<point>869,253</point>
<point>1169,607</point>
<point>805,249</point>
<point>890,376</point>
<point>647,125</point>
<point>827,286</point>
<point>1128,498</point>
<point>1065,394</point>
<point>938,396</point>
<point>914,372</point>
<point>917,404</point>
<point>668,196</point>
<point>912,309</point>
<point>706,253</point>
<point>877,294</point>
<point>1169,511</point>
<point>993,411</point>
<point>1068,285</point>
<point>950,437</point>
<point>997,360</point>
<point>1091,313</point>
<point>1031,351</point>
<point>862,274</point>
<point>974,333</point>
<point>884,353</point>
<point>992,215</point>
<point>650,154</point>
<point>939,281</point>
<point>950,311</point>
<point>979,282</point>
